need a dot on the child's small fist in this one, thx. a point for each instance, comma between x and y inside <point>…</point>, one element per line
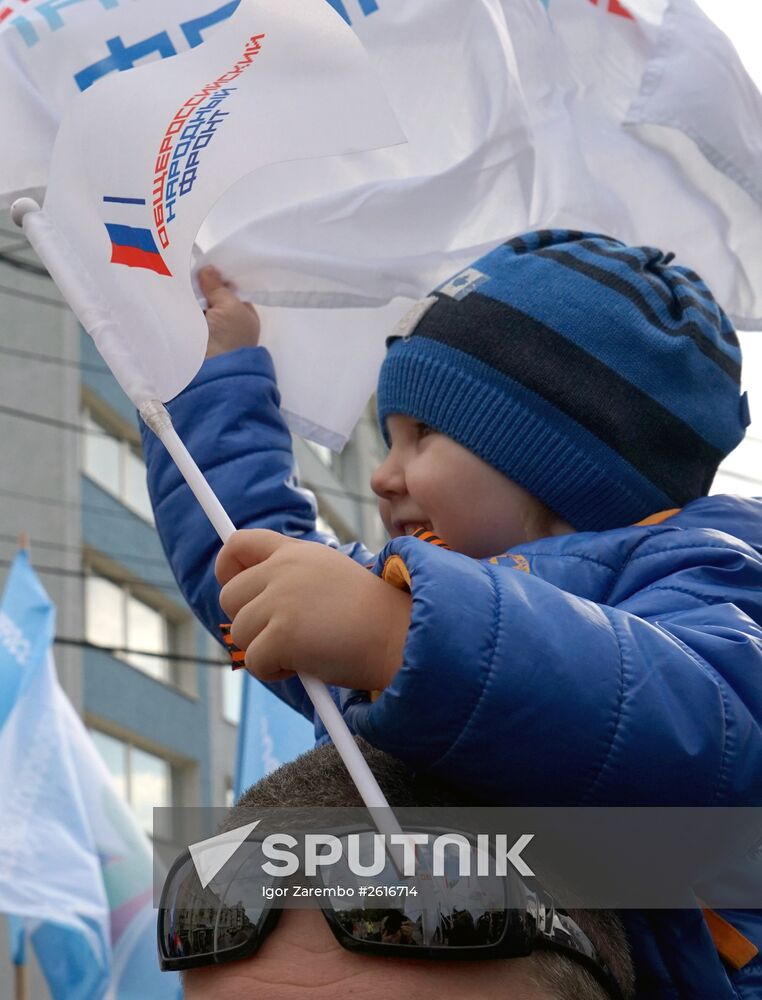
<point>232,323</point>
<point>299,606</point>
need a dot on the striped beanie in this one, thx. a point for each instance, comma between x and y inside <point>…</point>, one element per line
<point>600,377</point>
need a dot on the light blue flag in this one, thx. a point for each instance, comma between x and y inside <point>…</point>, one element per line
<point>17,934</point>
<point>27,626</point>
<point>270,734</point>
<point>75,868</point>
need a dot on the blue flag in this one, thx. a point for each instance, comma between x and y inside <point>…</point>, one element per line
<point>270,734</point>
<point>17,935</point>
<point>75,868</point>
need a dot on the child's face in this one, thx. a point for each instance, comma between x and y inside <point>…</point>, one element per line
<point>428,480</point>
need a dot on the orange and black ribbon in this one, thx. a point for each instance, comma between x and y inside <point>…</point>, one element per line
<point>429,536</point>
<point>237,655</point>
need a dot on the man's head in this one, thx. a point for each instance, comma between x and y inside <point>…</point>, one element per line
<point>600,380</point>
<point>301,958</point>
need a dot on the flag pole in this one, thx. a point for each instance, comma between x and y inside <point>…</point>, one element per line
<point>83,296</point>
<point>157,417</point>
<point>21,982</point>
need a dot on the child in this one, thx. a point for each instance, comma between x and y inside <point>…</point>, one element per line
<point>556,414</point>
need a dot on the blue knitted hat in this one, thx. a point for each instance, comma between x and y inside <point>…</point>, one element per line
<point>598,376</point>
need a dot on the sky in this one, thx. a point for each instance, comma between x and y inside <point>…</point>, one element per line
<point>741,20</point>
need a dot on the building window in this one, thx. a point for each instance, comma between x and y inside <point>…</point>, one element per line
<point>116,618</point>
<point>143,779</point>
<point>326,456</point>
<point>232,688</point>
<point>115,463</point>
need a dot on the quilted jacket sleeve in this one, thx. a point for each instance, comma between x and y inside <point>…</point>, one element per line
<point>229,419</point>
<point>528,694</point>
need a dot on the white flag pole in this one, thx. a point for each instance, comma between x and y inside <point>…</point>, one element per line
<point>78,291</point>
<point>157,417</point>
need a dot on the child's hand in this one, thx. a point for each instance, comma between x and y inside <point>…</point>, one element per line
<point>232,323</point>
<point>300,606</point>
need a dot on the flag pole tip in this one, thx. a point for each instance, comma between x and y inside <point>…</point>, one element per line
<point>22,207</point>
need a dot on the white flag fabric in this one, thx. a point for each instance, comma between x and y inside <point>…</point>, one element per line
<point>52,50</point>
<point>670,127</point>
<point>342,253</point>
<point>74,865</point>
<point>634,119</point>
<point>629,117</point>
<point>140,159</point>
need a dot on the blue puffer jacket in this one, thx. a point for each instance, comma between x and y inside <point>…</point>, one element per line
<point>626,666</point>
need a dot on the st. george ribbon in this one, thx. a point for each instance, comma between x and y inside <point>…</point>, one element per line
<point>138,163</point>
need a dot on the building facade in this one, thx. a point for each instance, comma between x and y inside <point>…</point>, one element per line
<point>151,685</point>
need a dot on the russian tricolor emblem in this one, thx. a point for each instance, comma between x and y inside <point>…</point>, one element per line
<point>135,248</point>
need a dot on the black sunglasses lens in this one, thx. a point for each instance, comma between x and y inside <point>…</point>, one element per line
<point>414,928</point>
<point>431,911</point>
<point>197,922</point>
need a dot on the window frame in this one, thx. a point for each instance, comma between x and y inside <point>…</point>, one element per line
<point>226,677</point>
<point>128,746</point>
<point>137,592</point>
<point>128,446</point>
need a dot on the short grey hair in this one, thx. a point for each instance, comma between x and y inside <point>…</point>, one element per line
<point>319,778</point>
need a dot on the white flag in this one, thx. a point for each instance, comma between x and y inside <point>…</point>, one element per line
<point>52,50</point>
<point>141,158</point>
<point>634,119</point>
<point>373,232</point>
<point>669,125</point>
<point>629,117</point>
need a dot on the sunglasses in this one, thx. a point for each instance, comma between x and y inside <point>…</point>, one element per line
<point>434,917</point>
